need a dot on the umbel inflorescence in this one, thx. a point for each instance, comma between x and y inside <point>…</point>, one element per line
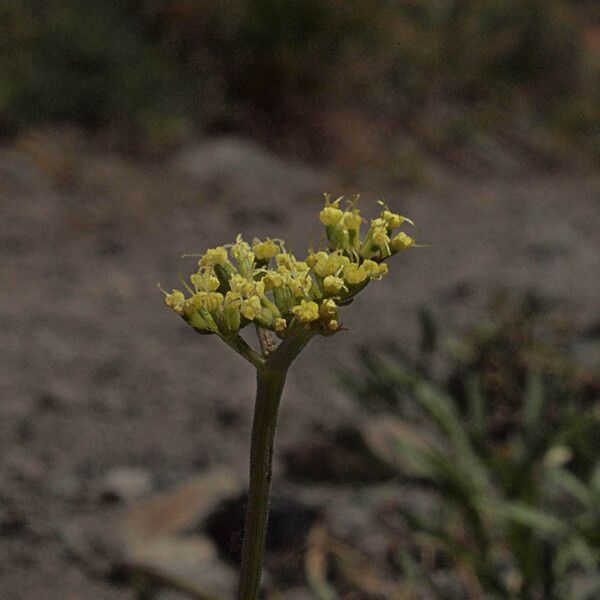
<point>261,282</point>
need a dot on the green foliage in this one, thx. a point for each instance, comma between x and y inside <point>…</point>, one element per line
<point>506,449</point>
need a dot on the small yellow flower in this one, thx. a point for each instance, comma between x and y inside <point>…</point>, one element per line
<point>332,285</point>
<point>333,325</point>
<point>214,256</point>
<point>251,307</point>
<point>352,219</point>
<point>380,236</point>
<point>244,256</point>
<point>353,274</point>
<point>306,311</point>
<point>272,280</point>
<point>331,215</point>
<point>401,242</point>
<point>279,324</point>
<point>300,285</point>
<point>265,250</point>
<point>331,265</point>
<point>204,282</point>
<point>212,301</point>
<point>393,220</point>
<point>313,258</point>
<point>328,309</point>
<point>383,270</point>
<point>175,300</point>
<point>246,287</point>
<point>286,260</point>
<point>374,270</point>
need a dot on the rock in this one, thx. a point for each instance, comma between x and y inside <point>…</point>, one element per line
<point>188,564</point>
<point>161,552</point>
<point>290,520</point>
<point>181,509</point>
<point>124,484</point>
<point>241,171</point>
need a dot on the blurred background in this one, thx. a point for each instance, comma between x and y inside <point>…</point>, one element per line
<point>447,445</point>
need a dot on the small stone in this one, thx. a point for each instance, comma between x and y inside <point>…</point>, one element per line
<point>124,484</point>
<point>182,563</point>
<point>181,509</point>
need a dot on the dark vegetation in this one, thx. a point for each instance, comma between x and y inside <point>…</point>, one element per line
<point>504,451</point>
<point>311,78</point>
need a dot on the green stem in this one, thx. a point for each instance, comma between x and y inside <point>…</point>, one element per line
<point>270,384</point>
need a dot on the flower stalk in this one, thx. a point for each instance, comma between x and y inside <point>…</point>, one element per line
<point>269,388</point>
<point>289,299</point>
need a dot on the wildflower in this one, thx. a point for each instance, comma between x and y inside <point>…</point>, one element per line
<point>212,301</point>
<point>246,287</point>
<point>328,309</point>
<point>175,300</point>
<point>205,282</point>
<point>265,250</point>
<point>381,239</point>
<point>352,219</point>
<point>250,307</point>
<point>374,270</point>
<point>331,265</point>
<point>306,311</point>
<point>225,296</point>
<point>244,256</point>
<point>400,242</point>
<point>214,256</point>
<point>272,280</point>
<point>314,257</point>
<point>332,285</point>
<point>237,283</point>
<point>353,274</point>
<point>331,214</point>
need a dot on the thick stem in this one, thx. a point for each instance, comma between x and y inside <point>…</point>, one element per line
<point>270,384</point>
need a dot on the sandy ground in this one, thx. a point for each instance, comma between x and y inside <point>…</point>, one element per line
<point>95,374</point>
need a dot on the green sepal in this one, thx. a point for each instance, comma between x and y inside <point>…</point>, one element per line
<point>284,299</point>
<point>198,323</point>
<point>265,318</point>
<point>224,272</point>
<point>208,319</point>
<point>337,236</point>
<point>270,306</point>
<point>232,318</point>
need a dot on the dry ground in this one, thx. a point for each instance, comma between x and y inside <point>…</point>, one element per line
<point>95,374</point>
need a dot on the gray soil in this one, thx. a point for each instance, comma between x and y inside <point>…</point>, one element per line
<point>97,375</point>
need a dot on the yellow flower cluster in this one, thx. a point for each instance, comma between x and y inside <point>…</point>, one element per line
<point>262,283</point>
